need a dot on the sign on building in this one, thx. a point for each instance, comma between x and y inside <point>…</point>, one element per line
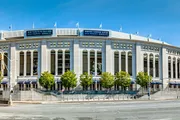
<point>39,33</point>
<point>96,33</point>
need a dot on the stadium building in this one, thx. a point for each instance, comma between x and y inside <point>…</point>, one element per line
<point>28,53</point>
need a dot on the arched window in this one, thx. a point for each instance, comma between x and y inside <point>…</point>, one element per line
<point>85,61</point>
<point>169,67</point>
<point>28,63</point>
<point>157,65</point>
<point>178,68</point>
<point>35,63</point>
<point>53,63</point>
<point>92,62</point>
<point>116,62</point>
<point>145,56</point>
<point>123,61</point>
<point>174,67</point>
<point>6,64</point>
<point>99,62</point>
<point>67,60</point>
<point>151,64</point>
<point>130,63</point>
<point>21,67</point>
<point>60,62</point>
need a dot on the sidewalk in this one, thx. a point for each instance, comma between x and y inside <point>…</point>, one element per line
<point>87,101</point>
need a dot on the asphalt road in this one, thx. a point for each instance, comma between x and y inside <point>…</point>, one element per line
<point>134,110</point>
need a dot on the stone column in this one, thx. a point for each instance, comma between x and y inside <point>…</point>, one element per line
<point>95,63</point>
<point>133,65</point>
<point>112,57</point>
<point>25,63</point>
<point>12,64</point>
<point>154,67</point>
<point>126,62</point>
<point>103,59</point>
<point>108,57</point>
<point>163,62</point>
<point>119,60</point>
<point>31,63</point>
<point>176,71</point>
<point>63,61</point>
<point>43,57</point>
<point>76,56</point>
<point>172,67</point>
<point>88,62</point>
<point>148,67</point>
<point>17,59</point>
<point>139,59</point>
<point>56,63</point>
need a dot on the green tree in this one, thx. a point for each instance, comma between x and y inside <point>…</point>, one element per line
<point>69,79</point>
<point>143,79</point>
<point>1,76</point>
<point>46,80</point>
<point>123,79</point>
<point>107,80</point>
<point>86,80</point>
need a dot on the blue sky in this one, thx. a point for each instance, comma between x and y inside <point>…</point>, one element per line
<point>161,18</point>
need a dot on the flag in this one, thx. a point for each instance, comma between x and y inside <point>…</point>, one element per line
<point>100,26</point>
<point>10,27</point>
<point>149,35</point>
<point>137,33</point>
<point>77,24</point>
<point>55,24</point>
<point>120,29</point>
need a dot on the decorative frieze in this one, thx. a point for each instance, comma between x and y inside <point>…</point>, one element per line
<point>150,48</point>
<point>61,44</point>
<point>28,45</point>
<point>92,44</point>
<point>117,45</point>
<point>4,47</point>
<point>173,52</point>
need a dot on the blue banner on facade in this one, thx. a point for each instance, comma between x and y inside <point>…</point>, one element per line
<point>96,33</point>
<point>39,32</point>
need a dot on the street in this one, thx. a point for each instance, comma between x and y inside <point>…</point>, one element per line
<point>127,110</point>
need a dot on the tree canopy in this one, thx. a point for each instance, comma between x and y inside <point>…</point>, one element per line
<point>107,80</point>
<point>69,79</point>
<point>143,79</point>
<point>86,80</point>
<point>1,76</point>
<point>122,79</point>
<point>46,80</point>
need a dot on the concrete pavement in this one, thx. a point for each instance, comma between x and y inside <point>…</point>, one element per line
<point>124,110</point>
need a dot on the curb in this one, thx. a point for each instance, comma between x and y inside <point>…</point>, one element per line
<point>59,102</point>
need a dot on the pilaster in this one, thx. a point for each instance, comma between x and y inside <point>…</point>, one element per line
<point>12,64</point>
<point>109,59</point>
<point>43,58</point>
